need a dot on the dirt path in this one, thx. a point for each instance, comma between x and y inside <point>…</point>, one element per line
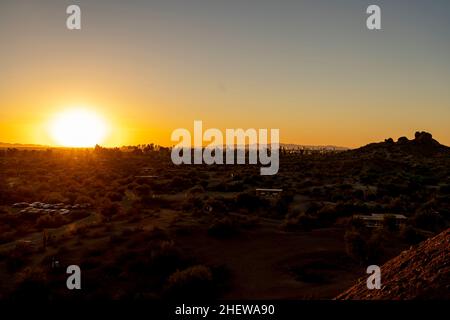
<point>259,262</point>
<point>36,237</point>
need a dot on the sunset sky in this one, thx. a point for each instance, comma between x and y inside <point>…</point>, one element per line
<point>310,68</point>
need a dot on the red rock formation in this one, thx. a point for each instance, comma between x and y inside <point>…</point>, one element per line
<point>422,272</point>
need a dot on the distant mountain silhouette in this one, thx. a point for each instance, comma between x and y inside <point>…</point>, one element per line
<point>423,144</point>
<point>22,146</point>
<point>422,272</point>
<point>282,145</point>
<point>290,146</point>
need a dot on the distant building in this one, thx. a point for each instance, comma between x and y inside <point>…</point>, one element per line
<point>39,207</point>
<point>147,177</point>
<point>375,220</point>
<point>269,193</point>
<point>21,205</point>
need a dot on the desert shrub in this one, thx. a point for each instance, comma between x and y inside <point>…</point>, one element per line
<point>192,203</point>
<point>54,197</point>
<point>375,247</point>
<point>355,245</point>
<point>411,235</point>
<point>307,222</point>
<point>155,202</point>
<point>429,220</point>
<point>290,224</point>
<point>358,194</point>
<point>9,219</point>
<point>148,236</point>
<point>126,232</point>
<point>179,184</point>
<point>234,186</point>
<point>335,197</point>
<point>357,224</point>
<point>198,189</point>
<point>217,186</point>
<point>78,215</point>
<point>135,209</point>
<point>390,189</point>
<point>165,257</point>
<point>351,207</point>
<point>248,201</point>
<point>32,286</point>
<point>317,191</point>
<point>390,223</point>
<point>116,239</point>
<point>6,237</point>
<point>195,282</point>
<point>22,193</point>
<point>282,204</point>
<point>303,222</point>
<point>363,247</point>
<point>218,205</point>
<point>293,213</point>
<point>327,215</point>
<point>84,199</point>
<point>249,221</point>
<point>78,229</point>
<point>18,257</point>
<point>143,190</point>
<point>50,221</point>
<point>109,209</point>
<point>114,196</point>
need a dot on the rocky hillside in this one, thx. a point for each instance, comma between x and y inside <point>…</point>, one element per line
<point>423,144</point>
<point>422,272</point>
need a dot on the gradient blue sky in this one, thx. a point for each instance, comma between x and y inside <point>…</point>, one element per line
<point>309,68</point>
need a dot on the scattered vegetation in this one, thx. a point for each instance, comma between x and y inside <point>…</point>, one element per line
<point>146,220</point>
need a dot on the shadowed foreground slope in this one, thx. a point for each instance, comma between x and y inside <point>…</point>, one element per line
<point>422,272</point>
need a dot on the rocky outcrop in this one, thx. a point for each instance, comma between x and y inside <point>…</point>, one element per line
<point>423,145</point>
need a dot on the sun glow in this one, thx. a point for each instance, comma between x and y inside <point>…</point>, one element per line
<point>79,128</point>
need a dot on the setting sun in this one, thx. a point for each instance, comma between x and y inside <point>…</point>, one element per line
<point>78,128</point>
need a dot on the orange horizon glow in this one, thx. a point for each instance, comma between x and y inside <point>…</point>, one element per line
<point>85,127</point>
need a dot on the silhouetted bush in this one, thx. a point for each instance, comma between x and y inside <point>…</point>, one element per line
<point>248,200</point>
<point>355,245</point>
<point>411,235</point>
<point>114,196</point>
<point>375,247</point>
<point>32,286</point>
<point>18,257</point>
<point>390,223</point>
<point>109,209</point>
<point>302,222</point>
<point>50,221</point>
<point>165,257</point>
<point>190,284</point>
<point>429,220</point>
<point>364,247</point>
<point>6,237</point>
<point>327,215</point>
